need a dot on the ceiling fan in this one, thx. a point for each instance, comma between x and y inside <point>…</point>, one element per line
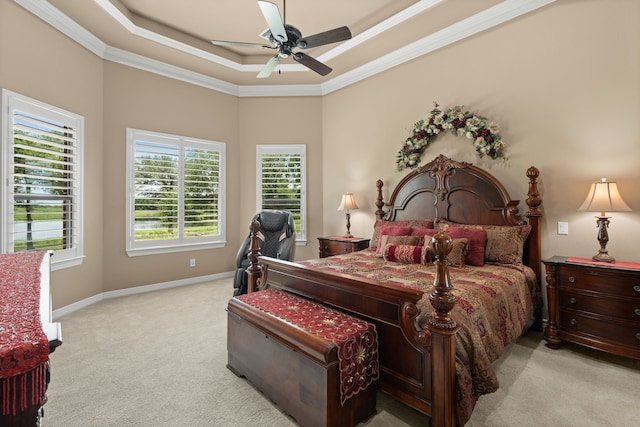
<point>286,37</point>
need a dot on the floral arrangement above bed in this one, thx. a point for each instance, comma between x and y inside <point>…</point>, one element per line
<point>484,134</point>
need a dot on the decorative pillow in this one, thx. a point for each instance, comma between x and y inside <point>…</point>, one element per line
<point>406,254</point>
<point>505,243</point>
<point>477,242</point>
<point>423,232</point>
<point>458,253</point>
<point>423,223</point>
<point>392,230</point>
<point>386,239</point>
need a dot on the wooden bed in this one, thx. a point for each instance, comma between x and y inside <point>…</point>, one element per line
<point>417,362</point>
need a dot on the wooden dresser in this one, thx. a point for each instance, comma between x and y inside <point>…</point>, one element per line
<point>336,245</point>
<point>594,304</point>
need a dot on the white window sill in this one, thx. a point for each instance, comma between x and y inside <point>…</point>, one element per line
<point>170,249</point>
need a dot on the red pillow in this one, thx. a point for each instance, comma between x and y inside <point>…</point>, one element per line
<point>477,241</point>
<point>392,230</point>
<point>421,231</point>
<point>406,254</point>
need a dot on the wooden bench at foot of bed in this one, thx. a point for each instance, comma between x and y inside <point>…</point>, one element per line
<point>318,365</point>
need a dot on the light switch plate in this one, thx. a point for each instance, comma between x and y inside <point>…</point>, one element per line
<point>563,228</point>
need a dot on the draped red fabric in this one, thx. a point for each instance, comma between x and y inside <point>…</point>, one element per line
<point>357,340</point>
<point>24,347</point>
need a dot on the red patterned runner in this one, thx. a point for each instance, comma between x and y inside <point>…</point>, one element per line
<point>618,264</point>
<point>24,347</point>
<point>356,339</point>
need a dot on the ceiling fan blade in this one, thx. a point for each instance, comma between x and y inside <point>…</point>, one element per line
<point>331,36</point>
<point>241,44</point>
<point>272,16</point>
<point>312,64</point>
<point>269,67</point>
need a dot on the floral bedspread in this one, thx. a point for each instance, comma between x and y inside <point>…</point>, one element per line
<point>494,302</point>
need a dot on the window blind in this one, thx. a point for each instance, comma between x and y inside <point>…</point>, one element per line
<point>282,181</point>
<point>176,191</point>
<point>43,171</point>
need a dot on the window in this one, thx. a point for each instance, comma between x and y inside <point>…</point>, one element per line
<point>175,193</point>
<point>42,179</point>
<point>282,182</point>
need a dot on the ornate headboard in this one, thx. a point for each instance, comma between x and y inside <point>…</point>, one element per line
<point>466,194</point>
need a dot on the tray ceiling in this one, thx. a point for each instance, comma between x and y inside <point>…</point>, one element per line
<point>174,37</point>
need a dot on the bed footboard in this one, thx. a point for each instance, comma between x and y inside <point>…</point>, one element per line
<point>417,365</point>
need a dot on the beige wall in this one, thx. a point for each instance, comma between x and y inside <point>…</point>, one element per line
<point>561,82</point>
<point>282,121</point>
<point>39,62</point>
<point>137,99</point>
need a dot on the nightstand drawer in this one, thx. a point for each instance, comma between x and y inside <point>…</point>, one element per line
<point>622,309</point>
<point>608,281</point>
<point>627,334</point>
<point>330,246</point>
<point>335,248</point>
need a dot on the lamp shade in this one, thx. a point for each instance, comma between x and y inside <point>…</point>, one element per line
<point>604,197</point>
<point>347,203</point>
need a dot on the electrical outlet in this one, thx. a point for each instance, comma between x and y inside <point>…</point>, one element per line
<point>563,228</point>
<point>192,262</point>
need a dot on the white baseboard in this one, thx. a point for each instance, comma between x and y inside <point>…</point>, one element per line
<point>62,311</point>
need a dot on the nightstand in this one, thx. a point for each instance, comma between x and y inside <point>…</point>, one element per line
<point>336,245</point>
<point>594,304</point>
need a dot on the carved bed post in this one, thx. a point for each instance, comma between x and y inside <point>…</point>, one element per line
<point>534,250</point>
<point>443,338</point>
<point>379,201</point>
<point>253,271</point>
<point>533,215</point>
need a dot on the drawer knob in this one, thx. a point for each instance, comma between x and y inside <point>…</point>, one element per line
<point>637,311</point>
<point>572,300</point>
<point>636,288</point>
<point>572,279</point>
<point>573,321</point>
<point>638,335</point>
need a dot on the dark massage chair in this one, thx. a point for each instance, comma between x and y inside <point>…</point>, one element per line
<point>277,239</point>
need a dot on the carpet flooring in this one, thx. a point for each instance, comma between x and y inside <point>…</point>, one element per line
<point>159,359</point>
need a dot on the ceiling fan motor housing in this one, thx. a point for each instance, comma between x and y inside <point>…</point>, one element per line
<point>286,47</point>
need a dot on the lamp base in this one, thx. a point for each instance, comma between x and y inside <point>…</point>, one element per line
<point>603,257</point>
<point>348,235</point>
<point>603,238</point>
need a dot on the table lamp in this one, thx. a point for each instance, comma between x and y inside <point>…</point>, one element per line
<point>348,203</point>
<point>604,197</point>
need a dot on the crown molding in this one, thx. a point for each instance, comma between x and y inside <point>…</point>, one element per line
<point>496,15</point>
<point>162,68</point>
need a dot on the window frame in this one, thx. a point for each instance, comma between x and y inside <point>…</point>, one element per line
<point>286,149</point>
<point>180,244</point>
<point>11,102</point>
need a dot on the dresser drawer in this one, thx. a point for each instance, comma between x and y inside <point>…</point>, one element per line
<point>628,309</point>
<point>626,334</point>
<point>608,281</point>
<point>594,304</point>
